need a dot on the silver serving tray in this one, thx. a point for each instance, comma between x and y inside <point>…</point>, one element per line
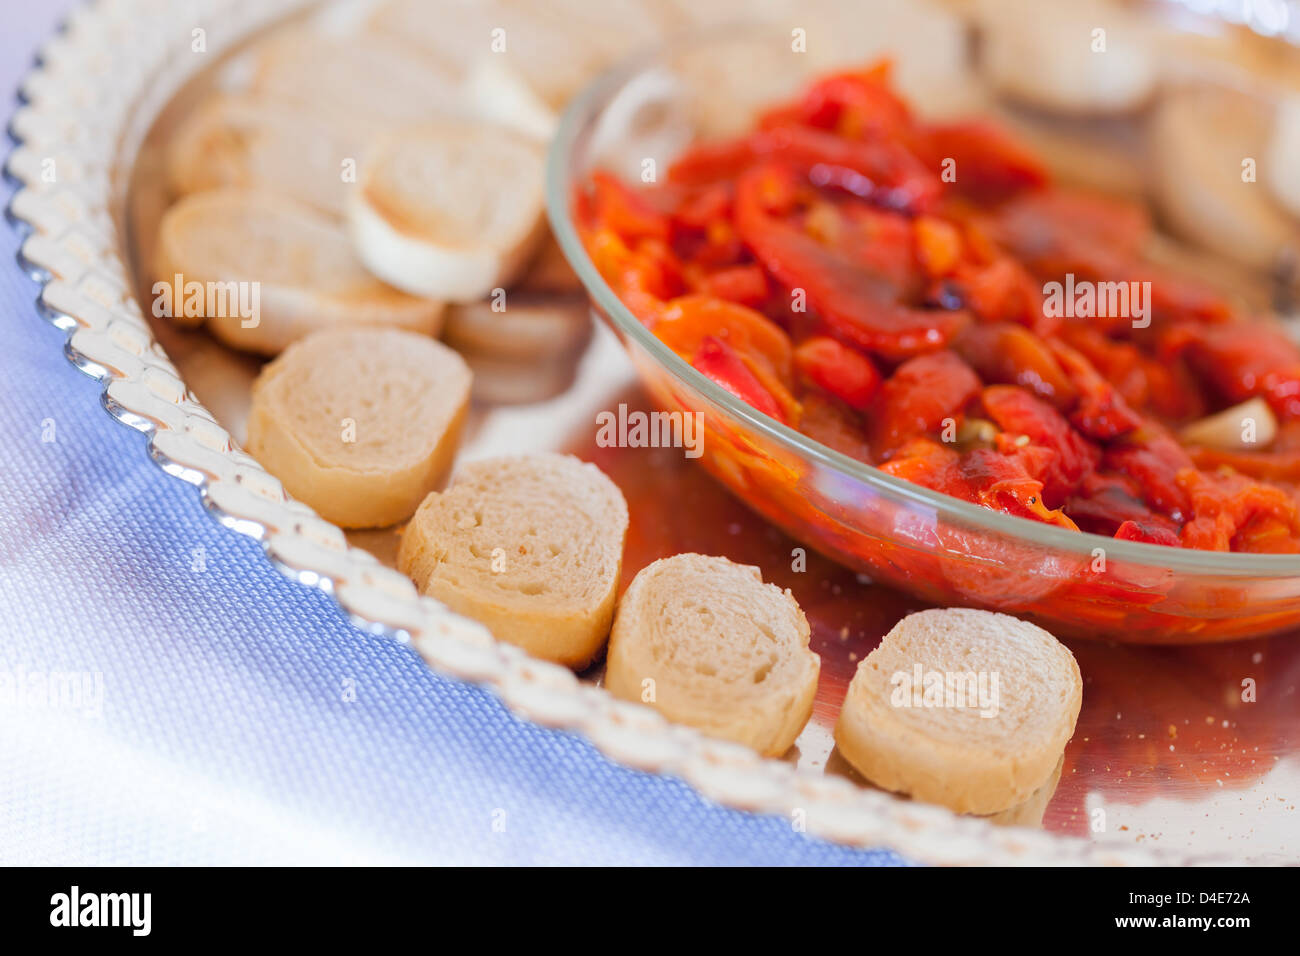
<point>103,94</point>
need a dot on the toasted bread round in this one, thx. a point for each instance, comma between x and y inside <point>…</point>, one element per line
<point>1283,148</point>
<point>450,210</point>
<point>964,708</point>
<point>297,262</point>
<point>493,91</point>
<point>253,142</point>
<point>358,72</point>
<point>707,643</point>
<point>1202,142</point>
<point>553,51</point>
<point>360,423</point>
<point>549,271</point>
<point>515,381</point>
<point>528,328</point>
<point>530,546</point>
<point>1085,57</point>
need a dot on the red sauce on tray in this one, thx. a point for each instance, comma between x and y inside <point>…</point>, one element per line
<point>921,297</point>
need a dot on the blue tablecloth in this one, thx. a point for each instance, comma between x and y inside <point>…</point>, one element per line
<point>214,720</point>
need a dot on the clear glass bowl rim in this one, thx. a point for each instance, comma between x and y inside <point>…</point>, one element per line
<point>582,111</point>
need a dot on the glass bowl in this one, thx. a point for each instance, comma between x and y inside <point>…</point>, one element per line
<point>636,118</point>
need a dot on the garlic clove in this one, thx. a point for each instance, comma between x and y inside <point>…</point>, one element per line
<point>1250,426</point>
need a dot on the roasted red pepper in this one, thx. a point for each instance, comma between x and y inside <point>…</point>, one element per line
<point>920,397</point>
<point>854,302</point>
<point>825,269</point>
<point>720,363</point>
<point>839,370</point>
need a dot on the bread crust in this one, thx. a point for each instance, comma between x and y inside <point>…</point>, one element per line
<point>530,546</point>
<point>530,328</point>
<point>449,210</point>
<point>706,643</point>
<point>951,755</point>
<point>406,396</point>
<point>1046,57</point>
<point>251,142</point>
<point>1195,181</point>
<point>307,275</point>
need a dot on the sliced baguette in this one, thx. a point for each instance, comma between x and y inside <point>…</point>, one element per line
<point>356,74</point>
<point>308,277</point>
<point>1199,140</point>
<point>451,210</point>
<point>529,328</point>
<point>253,142</point>
<point>1280,158</point>
<point>360,424</point>
<point>1088,57</point>
<point>940,752</point>
<point>515,381</point>
<point>530,546</point>
<point>550,52</point>
<point>495,92</point>
<point>707,643</point>
<point>549,271</point>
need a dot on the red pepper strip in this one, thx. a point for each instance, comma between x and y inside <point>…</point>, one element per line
<point>981,476</point>
<point>1101,412</point>
<point>1104,501</point>
<point>881,242</point>
<point>988,163</point>
<point>1245,359</point>
<point>1000,482</point>
<point>1071,231</point>
<point>686,321</point>
<point>1225,504</point>
<point>839,370</point>
<point>1154,461</point>
<point>1266,534</point>
<point>1150,533</point>
<point>917,398</point>
<point>1264,465</point>
<point>720,363</point>
<point>759,342</point>
<point>745,284</point>
<point>619,208</point>
<point>855,105</point>
<point>938,245</point>
<point>1018,413</point>
<point>1058,231</point>
<point>856,304</point>
<point>637,279</point>
<point>825,420</point>
<point>882,171</point>
<point>1004,353</point>
<point>925,462</point>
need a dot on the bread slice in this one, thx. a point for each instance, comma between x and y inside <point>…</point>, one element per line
<point>356,73</point>
<point>529,329</point>
<point>307,277</point>
<point>707,643</point>
<point>1050,56</point>
<point>530,546</point>
<point>554,54</point>
<point>360,424</point>
<point>913,736</point>
<point>451,210</point>
<point>516,381</point>
<point>1279,157</point>
<point>492,90</point>
<point>1199,139</point>
<point>253,142</point>
<point>549,271</point>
